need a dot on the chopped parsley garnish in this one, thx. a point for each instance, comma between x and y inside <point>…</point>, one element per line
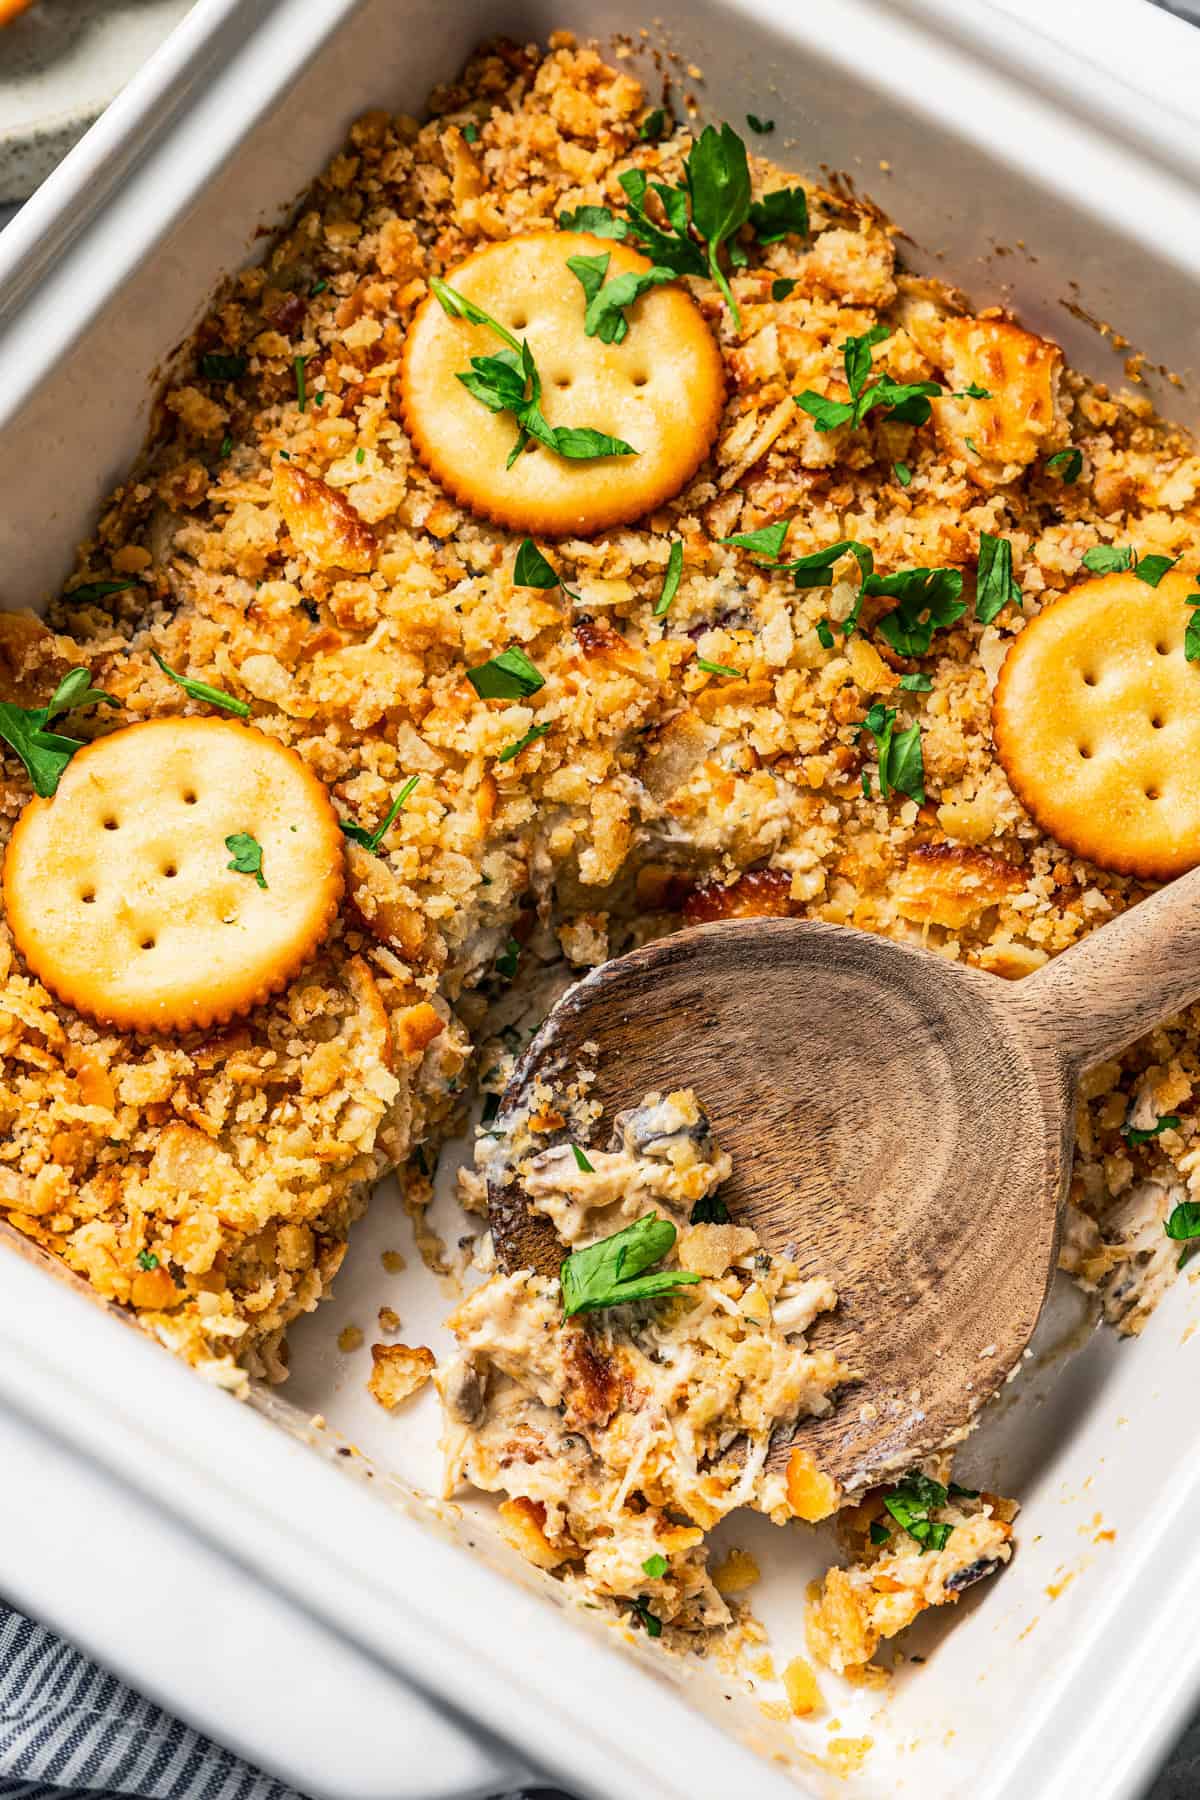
<point>318,287</point>
<point>902,472</point>
<point>508,959</point>
<point>761,126</point>
<point>509,676</point>
<point>782,287</point>
<point>714,201</point>
<point>360,455</point>
<point>581,1161</point>
<point>971,446</point>
<point>1184,1222</point>
<point>301,395</point>
<point>825,634</point>
<point>147,1259</point>
<point>247,856</point>
<point>1168,1122</point>
<point>653,126</point>
<point>912,1502</point>
<point>1191,637</point>
<point>509,382</point>
<point>226,447</point>
<point>531,568</point>
<point>655,1567</point>
<point>216,366</point>
<point>879,1533</point>
<point>767,541</point>
<point>901,764</point>
<point>916,684</point>
<point>1070,462</point>
<point>607,300</point>
<point>716,668</point>
<point>471,133</point>
<point>994,582</point>
<point>1151,569</point>
<point>781,214</point>
<point>908,402</point>
<point>613,1272</point>
<point>512,751</point>
<point>1108,559</point>
<point>930,599</point>
<point>372,840</point>
<point>98,590</point>
<point>45,753</point>
<point>200,690</point>
<point>813,570</point>
<point>710,1209</point>
<point>651,1622</point>
<point>670,586</point>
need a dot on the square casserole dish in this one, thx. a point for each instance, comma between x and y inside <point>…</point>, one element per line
<point>1057,174</point>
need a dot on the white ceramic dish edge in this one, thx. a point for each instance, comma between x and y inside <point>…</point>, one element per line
<point>66,1366</point>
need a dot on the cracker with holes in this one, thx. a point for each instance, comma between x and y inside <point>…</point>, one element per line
<point>1096,720</point>
<point>626,398</point>
<point>184,871</point>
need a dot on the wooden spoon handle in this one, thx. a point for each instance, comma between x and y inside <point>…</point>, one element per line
<point>1120,981</point>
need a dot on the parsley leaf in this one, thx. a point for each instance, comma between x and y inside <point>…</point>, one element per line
<point>247,856</point>
<point>44,753</point>
<point>901,764</point>
<point>779,215</point>
<point>994,583</point>
<point>655,1567</point>
<point>710,1209</point>
<point>509,958</point>
<point>767,541</point>
<point>606,301</point>
<point>1191,637</point>
<point>200,690</point>
<point>372,840</point>
<point>718,179</point>
<point>1070,462</point>
<point>509,382</point>
<point>761,126</point>
<point>470,132</point>
<point>902,473</point>
<point>879,1534</point>
<point>511,751</point>
<point>916,684</point>
<point>531,568</point>
<point>651,1622</point>
<point>1184,1221</point>
<point>653,126</point>
<point>1151,569</point>
<point>613,1272</point>
<point>215,366</point>
<point>147,1259</point>
<point>669,249</point>
<point>671,579</point>
<point>98,590</point>
<point>908,402</point>
<point>781,288</point>
<point>585,1168</point>
<point>1168,1122</point>
<point>1108,559</point>
<point>716,668</point>
<point>825,634</point>
<point>911,1504</point>
<point>509,676</point>
<point>301,392</point>
<point>930,599</point>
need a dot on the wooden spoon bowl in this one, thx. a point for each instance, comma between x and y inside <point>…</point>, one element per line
<point>901,1123</point>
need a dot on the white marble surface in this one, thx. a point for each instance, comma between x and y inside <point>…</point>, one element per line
<point>1180,1779</point>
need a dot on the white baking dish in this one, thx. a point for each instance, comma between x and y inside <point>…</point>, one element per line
<point>1083,165</point>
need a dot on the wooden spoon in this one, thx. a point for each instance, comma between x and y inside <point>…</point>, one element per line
<point>903,1123</point>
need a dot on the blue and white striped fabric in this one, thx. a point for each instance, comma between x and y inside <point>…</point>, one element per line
<point>66,1725</point>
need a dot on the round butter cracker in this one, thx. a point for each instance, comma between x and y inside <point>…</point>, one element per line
<point>1096,721</point>
<point>661,389</point>
<point>119,893</point>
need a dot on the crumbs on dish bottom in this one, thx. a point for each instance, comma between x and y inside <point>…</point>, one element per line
<point>725,753</point>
